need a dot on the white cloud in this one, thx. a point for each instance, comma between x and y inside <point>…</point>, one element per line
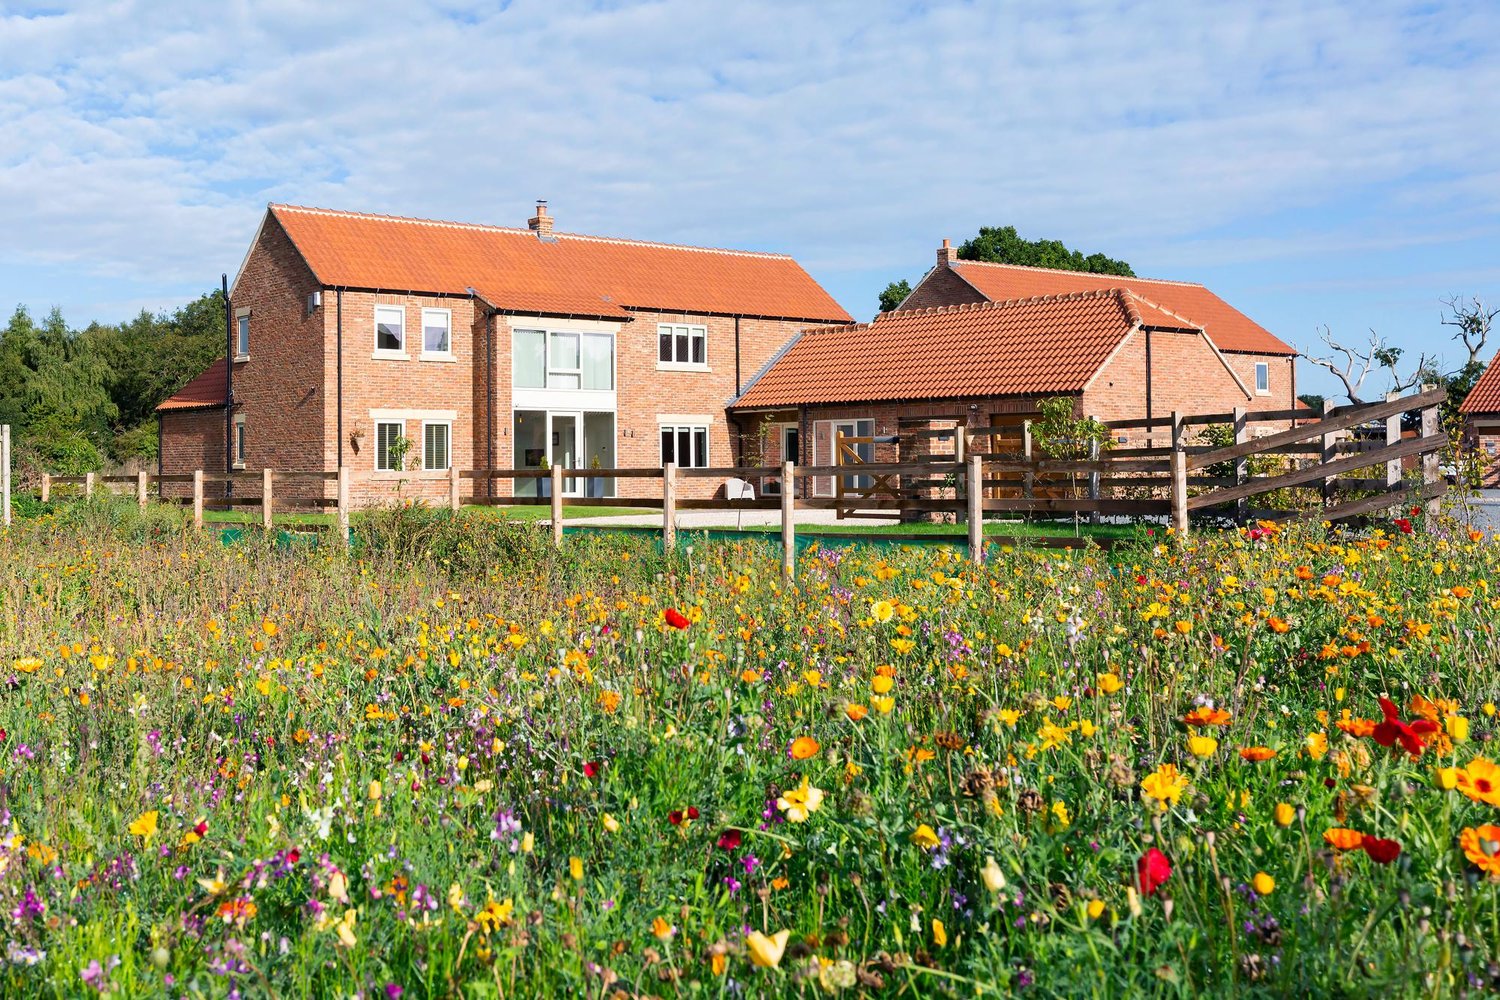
<point>144,137</point>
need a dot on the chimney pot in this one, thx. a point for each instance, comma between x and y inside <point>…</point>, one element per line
<point>946,254</point>
<point>541,222</point>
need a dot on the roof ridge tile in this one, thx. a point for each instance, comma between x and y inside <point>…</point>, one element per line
<point>518,231</point>
<point>1068,270</point>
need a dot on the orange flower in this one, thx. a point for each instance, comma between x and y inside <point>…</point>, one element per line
<point>856,712</point>
<point>1204,716</point>
<point>1481,845</point>
<point>1279,624</point>
<point>1343,839</point>
<point>804,747</point>
<point>1480,781</point>
<point>1355,726</point>
<point>1256,754</point>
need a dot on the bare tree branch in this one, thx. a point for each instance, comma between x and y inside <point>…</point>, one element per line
<point>1473,322</point>
<point>1352,366</point>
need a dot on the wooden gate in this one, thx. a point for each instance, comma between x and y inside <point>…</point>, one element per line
<point>852,499</point>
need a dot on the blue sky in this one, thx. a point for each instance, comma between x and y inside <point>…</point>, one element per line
<point>1315,162</point>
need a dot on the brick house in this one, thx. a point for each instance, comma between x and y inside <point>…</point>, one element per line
<point>400,347</point>
<point>1481,417</point>
<point>979,361</point>
<point>1260,360</point>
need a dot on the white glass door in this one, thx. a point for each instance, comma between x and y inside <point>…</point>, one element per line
<point>565,431</point>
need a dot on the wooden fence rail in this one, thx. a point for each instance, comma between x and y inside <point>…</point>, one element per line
<point>1353,458</point>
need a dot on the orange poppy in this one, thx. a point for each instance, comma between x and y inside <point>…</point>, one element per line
<point>1205,716</point>
<point>1343,839</point>
<point>804,747</point>
<point>1255,754</point>
<point>1481,845</point>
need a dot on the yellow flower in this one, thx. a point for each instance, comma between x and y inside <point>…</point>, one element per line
<point>1095,908</point>
<point>766,951</point>
<point>29,664</point>
<point>345,928</point>
<point>882,684</point>
<point>1458,728</point>
<point>456,898</point>
<point>575,868</point>
<point>1480,781</point>
<point>661,929</point>
<point>882,611</point>
<point>800,802</point>
<point>144,826</point>
<point>1110,683</point>
<point>1264,884</point>
<point>1202,746</point>
<point>1164,786</point>
<point>883,703</point>
<point>925,837</point>
<point>1183,627</point>
<point>939,933</point>
<point>610,823</point>
<point>1284,814</point>
<point>268,627</point>
<point>903,646</point>
<point>992,876</point>
<point>1316,745</point>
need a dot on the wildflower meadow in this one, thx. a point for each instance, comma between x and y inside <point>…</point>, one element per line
<point>455,762</point>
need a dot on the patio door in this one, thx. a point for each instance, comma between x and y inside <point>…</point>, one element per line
<point>565,431</point>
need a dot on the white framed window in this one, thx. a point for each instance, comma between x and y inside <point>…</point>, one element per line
<point>686,445</point>
<point>241,448</point>
<point>1262,378</point>
<point>437,335</point>
<point>390,332</point>
<point>562,359</point>
<point>436,456</point>
<point>387,457</point>
<point>241,334</point>
<point>681,345</point>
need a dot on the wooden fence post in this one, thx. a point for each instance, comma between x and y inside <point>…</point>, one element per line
<point>1179,479</point>
<point>1028,481</point>
<point>975,497</point>
<point>88,485</point>
<point>958,442</point>
<point>46,487</point>
<point>1094,476</point>
<point>1431,470</point>
<point>453,503</point>
<point>1330,451</point>
<point>141,481</point>
<point>788,519</point>
<point>343,505</point>
<point>197,498</point>
<point>669,508</point>
<point>5,471</point>
<point>557,505</point>
<point>267,500</point>
<point>1241,464</point>
<point>1392,437</point>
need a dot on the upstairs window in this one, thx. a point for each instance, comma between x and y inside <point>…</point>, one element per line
<point>1262,377</point>
<point>682,345</point>
<point>242,335</point>
<point>687,446</point>
<point>436,333</point>
<point>390,329</point>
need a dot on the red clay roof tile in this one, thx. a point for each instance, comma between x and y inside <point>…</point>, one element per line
<point>1047,344</point>
<point>517,271</point>
<point>1229,328</point>
<point>1485,396</point>
<point>205,391</point>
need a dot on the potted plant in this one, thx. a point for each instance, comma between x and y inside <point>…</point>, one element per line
<point>596,483</point>
<point>544,484</point>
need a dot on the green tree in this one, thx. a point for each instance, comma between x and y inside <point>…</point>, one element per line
<point>893,295</point>
<point>1003,245</point>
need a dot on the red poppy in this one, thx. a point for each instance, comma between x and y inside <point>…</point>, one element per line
<point>1409,734</point>
<point>202,828</point>
<point>1404,525</point>
<point>675,817</point>
<point>293,856</point>
<point>692,812</point>
<point>729,840</point>
<point>1151,870</point>
<point>592,768</point>
<point>675,618</point>
<point>1380,850</point>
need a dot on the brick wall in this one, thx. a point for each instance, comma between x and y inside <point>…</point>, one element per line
<point>942,287</point>
<point>1482,432</point>
<point>196,439</point>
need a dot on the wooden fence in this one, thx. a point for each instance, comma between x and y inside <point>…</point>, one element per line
<point>1331,458</point>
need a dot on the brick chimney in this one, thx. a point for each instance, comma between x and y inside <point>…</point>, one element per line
<point>946,254</point>
<point>541,222</point>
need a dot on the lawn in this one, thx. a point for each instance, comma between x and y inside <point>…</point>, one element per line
<point>520,512</point>
<point>461,762</point>
<point>959,531</point>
